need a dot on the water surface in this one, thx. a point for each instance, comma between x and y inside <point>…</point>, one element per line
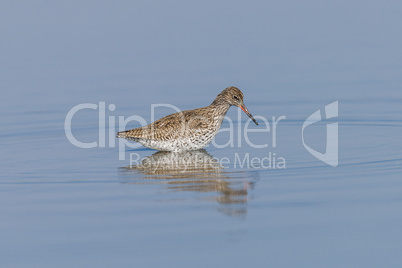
<point>67,206</point>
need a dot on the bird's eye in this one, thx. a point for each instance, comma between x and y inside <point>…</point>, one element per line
<point>235,97</point>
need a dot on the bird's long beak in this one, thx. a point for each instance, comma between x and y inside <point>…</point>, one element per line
<point>244,108</point>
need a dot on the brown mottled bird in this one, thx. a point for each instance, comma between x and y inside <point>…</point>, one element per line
<point>188,130</point>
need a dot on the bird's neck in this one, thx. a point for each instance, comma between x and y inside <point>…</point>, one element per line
<point>220,108</point>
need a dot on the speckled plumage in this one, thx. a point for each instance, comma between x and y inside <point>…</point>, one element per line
<point>187,130</point>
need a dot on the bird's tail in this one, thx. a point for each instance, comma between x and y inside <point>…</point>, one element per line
<point>121,134</point>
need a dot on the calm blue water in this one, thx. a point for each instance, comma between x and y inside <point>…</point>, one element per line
<point>64,206</point>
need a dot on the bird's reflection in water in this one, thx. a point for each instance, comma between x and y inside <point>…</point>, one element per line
<point>195,171</point>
